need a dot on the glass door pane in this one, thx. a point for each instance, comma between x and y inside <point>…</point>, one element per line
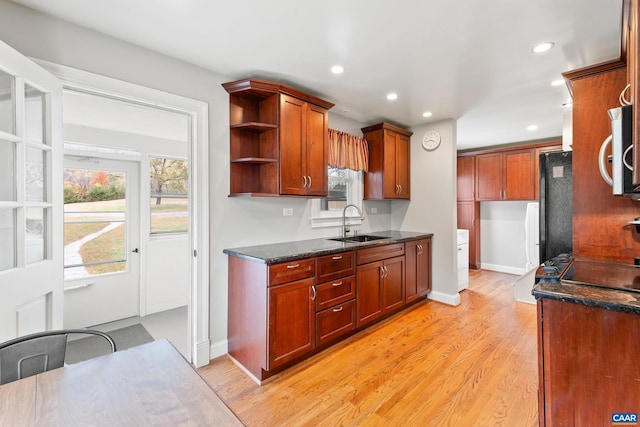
<point>34,114</point>
<point>94,222</point>
<point>7,103</point>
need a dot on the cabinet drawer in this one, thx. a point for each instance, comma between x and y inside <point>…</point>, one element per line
<point>335,292</point>
<point>334,266</point>
<point>377,253</point>
<point>335,321</point>
<point>292,270</point>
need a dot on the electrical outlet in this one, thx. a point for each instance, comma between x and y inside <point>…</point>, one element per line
<point>374,210</point>
<point>287,212</point>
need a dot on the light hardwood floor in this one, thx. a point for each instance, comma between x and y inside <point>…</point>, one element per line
<point>431,365</point>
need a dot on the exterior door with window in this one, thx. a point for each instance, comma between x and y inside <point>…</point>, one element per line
<point>30,197</point>
<point>101,240</point>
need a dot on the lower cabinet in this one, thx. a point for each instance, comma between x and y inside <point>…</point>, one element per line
<point>281,313</point>
<point>335,322</point>
<point>380,283</point>
<point>417,269</point>
<point>291,321</point>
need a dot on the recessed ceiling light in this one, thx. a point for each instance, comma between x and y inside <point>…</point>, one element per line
<point>532,127</point>
<point>427,114</point>
<point>392,96</point>
<point>337,69</point>
<point>542,47</point>
<point>558,82</point>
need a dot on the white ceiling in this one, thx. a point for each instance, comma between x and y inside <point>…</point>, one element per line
<point>469,60</point>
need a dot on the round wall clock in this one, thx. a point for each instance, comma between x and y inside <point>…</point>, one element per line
<point>431,140</point>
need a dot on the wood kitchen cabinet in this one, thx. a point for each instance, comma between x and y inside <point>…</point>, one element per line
<point>588,364</point>
<point>278,140</point>
<point>417,269</point>
<point>466,178</point>
<point>469,219</point>
<point>291,321</point>
<point>304,130</point>
<point>335,298</point>
<point>283,312</point>
<point>380,279</point>
<point>509,175</point>
<point>389,172</point>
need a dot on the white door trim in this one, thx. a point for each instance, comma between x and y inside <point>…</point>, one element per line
<point>199,182</point>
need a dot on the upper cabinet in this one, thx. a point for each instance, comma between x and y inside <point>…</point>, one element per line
<point>506,176</point>
<point>466,178</point>
<point>502,174</point>
<point>278,140</point>
<point>389,173</point>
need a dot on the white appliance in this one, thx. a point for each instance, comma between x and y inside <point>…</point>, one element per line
<point>524,284</point>
<point>463,259</point>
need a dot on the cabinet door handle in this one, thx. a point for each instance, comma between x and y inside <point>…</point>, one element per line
<point>293,266</point>
<point>313,297</point>
<point>399,189</point>
<point>305,181</point>
<point>337,284</point>
<point>309,181</point>
<point>336,257</point>
<point>383,272</point>
<point>335,310</point>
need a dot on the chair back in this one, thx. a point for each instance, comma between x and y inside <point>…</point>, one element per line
<point>36,353</point>
<point>32,357</point>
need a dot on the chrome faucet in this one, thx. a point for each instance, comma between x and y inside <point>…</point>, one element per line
<point>344,213</point>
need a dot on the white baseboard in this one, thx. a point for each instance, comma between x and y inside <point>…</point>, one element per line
<point>503,269</point>
<point>449,299</point>
<point>202,357</point>
<point>218,349</point>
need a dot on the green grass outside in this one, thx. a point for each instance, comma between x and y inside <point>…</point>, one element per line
<point>74,232</point>
<point>111,245</point>
<point>107,246</point>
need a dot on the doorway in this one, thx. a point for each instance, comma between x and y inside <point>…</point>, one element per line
<point>101,241</point>
<point>195,114</point>
<point>127,163</point>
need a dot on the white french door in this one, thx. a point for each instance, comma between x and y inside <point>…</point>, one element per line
<point>31,285</point>
<point>101,240</point>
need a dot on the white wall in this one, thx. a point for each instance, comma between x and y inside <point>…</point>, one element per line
<point>433,206</point>
<point>234,222</point>
<point>502,236</point>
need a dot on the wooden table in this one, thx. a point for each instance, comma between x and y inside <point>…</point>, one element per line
<point>149,385</point>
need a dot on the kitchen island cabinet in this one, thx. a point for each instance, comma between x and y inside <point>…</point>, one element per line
<point>290,300</point>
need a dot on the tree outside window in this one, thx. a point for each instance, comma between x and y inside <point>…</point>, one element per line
<point>169,181</point>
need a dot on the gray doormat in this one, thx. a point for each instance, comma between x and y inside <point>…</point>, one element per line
<point>93,346</point>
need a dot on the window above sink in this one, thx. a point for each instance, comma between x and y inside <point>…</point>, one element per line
<point>345,187</point>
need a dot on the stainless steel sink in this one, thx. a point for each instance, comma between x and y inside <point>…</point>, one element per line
<point>359,239</point>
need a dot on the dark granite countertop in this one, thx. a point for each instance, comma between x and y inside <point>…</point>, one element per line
<point>608,285</point>
<point>288,251</point>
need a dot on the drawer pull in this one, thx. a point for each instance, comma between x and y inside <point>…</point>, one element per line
<point>337,284</point>
<point>336,310</point>
<point>336,257</point>
<point>293,266</point>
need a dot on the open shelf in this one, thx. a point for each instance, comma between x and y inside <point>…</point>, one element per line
<point>254,160</point>
<point>255,126</point>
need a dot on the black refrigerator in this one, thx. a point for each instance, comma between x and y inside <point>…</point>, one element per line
<point>556,206</point>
